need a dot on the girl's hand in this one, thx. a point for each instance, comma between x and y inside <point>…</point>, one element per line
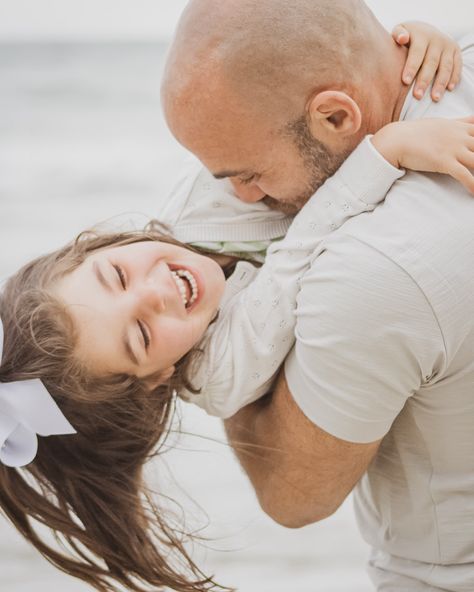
<point>430,53</point>
<point>431,145</point>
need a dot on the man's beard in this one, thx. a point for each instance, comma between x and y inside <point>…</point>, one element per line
<point>319,164</point>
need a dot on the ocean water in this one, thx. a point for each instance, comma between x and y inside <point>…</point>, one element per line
<point>83,141</point>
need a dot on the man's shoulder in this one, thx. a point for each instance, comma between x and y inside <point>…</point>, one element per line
<point>358,268</point>
<point>425,221</point>
<point>417,247</point>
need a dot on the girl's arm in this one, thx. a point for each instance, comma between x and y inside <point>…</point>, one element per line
<point>431,145</point>
<point>433,57</point>
<point>255,330</point>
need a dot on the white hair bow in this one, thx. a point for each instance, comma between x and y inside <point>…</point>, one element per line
<point>26,411</point>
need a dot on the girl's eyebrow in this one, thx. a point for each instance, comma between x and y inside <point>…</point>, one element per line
<point>101,277</point>
<point>128,349</point>
<point>125,338</point>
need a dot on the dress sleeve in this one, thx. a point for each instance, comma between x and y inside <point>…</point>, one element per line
<point>255,330</point>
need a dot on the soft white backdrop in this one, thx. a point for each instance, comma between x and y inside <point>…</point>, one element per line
<point>155,19</point>
<point>82,140</point>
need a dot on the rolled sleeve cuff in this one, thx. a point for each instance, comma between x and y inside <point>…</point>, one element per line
<point>327,416</point>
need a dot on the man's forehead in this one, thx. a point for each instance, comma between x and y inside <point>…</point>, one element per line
<point>230,139</point>
<point>213,111</point>
<point>226,154</point>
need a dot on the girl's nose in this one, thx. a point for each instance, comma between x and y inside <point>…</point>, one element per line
<point>151,298</point>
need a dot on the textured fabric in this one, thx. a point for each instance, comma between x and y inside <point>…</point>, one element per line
<point>385,347</point>
<point>395,574</point>
<point>244,349</point>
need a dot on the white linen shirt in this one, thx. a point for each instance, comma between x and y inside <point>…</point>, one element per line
<point>385,349</point>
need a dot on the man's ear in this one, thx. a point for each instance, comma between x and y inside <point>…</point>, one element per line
<point>333,115</point>
<point>154,381</point>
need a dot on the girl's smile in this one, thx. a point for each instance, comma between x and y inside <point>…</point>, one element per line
<point>139,308</point>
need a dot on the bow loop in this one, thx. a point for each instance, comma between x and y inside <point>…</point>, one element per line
<point>18,445</point>
<point>26,411</point>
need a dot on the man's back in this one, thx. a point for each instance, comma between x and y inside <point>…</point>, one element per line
<point>386,334</point>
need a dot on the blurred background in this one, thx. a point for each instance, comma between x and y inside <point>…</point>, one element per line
<point>82,141</point>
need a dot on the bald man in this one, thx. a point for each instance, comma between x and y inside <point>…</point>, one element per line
<point>378,392</point>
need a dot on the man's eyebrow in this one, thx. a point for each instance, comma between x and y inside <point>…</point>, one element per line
<point>225,174</point>
<point>125,338</point>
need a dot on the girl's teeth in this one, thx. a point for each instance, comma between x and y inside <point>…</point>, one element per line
<point>178,276</point>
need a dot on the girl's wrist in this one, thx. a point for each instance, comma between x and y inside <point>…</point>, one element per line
<point>386,143</point>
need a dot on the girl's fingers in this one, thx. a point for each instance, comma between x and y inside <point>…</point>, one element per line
<point>464,176</point>
<point>416,55</point>
<point>400,35</point>
<point>428,71</point>
<point>468,157</point>
<point>443,76</point>
<point>456,75</point>
<point>470,148</point>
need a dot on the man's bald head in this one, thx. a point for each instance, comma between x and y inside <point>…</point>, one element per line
<point>289,48</point>
<point>241,81</point>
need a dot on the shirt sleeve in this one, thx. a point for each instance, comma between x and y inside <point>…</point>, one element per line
<point>256,328</point>
<point>367,339</point>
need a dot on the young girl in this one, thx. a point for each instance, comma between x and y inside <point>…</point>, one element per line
<point>100,335</point>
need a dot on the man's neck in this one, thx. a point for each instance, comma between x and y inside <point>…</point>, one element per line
<point>385,106</point>
<point>401,89</point>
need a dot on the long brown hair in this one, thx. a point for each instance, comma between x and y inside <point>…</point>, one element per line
<point>89,488</point>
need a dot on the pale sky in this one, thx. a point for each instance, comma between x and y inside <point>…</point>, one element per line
<point>105,20</point>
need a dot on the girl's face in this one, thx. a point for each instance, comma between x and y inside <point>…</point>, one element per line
<point>139,308</point>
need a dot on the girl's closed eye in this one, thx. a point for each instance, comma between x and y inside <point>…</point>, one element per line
<point>143,331</point>
<point>145,335</point>
<point>121,276</point>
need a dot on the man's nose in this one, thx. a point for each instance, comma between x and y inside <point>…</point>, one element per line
<point>249,193</point>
